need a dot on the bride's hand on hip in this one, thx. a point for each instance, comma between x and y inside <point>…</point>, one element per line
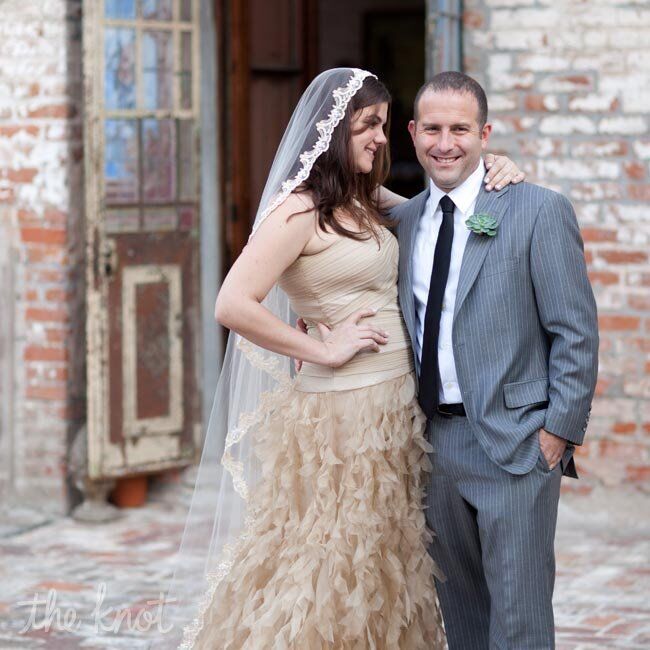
<point>350,337</point>
<point>501,172</point>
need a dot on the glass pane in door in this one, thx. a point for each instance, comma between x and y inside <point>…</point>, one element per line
<point>157,9</point>
<point>121,161</point>
<point>157,68</point>
<point>119,69</point>
<point>158,161</point>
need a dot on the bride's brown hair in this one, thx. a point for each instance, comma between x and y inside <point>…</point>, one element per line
<point>334,184</point>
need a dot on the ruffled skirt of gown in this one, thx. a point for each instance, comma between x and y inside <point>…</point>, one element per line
<point>337,554</point>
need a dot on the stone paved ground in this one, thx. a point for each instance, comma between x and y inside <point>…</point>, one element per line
<point>602,589</point>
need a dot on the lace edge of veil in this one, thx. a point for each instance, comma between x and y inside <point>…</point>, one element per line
<point>342,97</point>
<point>236,471</point>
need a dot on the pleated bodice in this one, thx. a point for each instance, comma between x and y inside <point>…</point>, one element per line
<point>332,284</point>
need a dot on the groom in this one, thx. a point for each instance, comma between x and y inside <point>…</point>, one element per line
<point>504,331</point>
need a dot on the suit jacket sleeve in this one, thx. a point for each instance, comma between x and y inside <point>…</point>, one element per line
<point>567,310</point>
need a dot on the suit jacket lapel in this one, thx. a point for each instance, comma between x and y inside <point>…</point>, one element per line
<point>407,233</point>
<point>494,204</point>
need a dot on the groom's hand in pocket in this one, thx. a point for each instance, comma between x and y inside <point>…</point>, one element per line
<point>552,447</point>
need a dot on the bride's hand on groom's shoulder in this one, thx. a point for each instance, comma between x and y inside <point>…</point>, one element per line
<point>501,172</point>
<point>344,341</point>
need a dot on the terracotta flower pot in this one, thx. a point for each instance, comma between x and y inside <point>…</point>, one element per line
<point>130,492</point>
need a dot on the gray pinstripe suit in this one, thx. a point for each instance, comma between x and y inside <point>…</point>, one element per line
<point>525,345</point>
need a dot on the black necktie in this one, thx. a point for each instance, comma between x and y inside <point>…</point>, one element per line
<point>429,372</point>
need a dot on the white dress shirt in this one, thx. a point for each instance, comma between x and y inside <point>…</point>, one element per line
<point>464,197</point>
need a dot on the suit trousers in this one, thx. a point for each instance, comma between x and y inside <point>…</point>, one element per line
<point>494,541</point>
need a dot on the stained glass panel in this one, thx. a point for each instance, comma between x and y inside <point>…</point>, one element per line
<point>121,161</point>
<point>119,70</point>
<point>121,9</point>
<point>186,70</point>
<point>158,160</point>
<point>187,180</point>
<point>157,9</point>
<point>186,10</point>
<point>157,68</point>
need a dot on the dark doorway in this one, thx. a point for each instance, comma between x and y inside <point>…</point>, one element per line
<point>386,37</point>
<point>269,52</point>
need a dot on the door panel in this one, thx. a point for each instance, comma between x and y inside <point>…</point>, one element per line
<point>152,320</point>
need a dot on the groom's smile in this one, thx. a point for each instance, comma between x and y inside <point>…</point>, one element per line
<point>448,137</point>
<point>446,161</point>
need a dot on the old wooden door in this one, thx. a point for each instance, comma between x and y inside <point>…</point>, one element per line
<point>141,73</point>
<point>270,57</point>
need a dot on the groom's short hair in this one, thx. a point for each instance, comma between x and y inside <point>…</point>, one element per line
<point>457,82</point>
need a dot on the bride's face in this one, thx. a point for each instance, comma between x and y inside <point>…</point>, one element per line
<point>368,135</point>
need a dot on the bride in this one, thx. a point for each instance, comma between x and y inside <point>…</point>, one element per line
<point>307,528</point>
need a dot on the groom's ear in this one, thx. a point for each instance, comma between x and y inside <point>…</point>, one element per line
<point>485,135</point>
<point>411,128</point>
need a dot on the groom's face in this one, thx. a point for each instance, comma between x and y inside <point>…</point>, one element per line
<point>447,136</point>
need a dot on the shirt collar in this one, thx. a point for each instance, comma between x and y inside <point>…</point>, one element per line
<point>465,194</point>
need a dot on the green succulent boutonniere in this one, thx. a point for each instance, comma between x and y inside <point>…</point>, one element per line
<point>482,224</point>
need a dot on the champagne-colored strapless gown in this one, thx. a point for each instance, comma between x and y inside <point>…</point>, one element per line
<point>338,558</point>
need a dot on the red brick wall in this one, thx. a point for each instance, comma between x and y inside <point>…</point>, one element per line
<point>41,201</point>
<point>569,91</point>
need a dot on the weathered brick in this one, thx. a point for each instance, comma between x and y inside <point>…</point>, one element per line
<point>599,235</point>
<point>638,473</point>
<point>23,175</point>
<point>624,428</point>
<point>635,170</point>
<point>604,277</point>
<point>566,125</point>
<point>499,102</point>
<point>543,62</point>
<point>41,392</point>
<point>623,256</point>
<point>620,450</point>
<point>541,103</point>
<point>522,18</point>
<point>636,100</point>
<point>53,111</point>
<point>619,323</point>
<point>596,191</point>
<point>578,169</point>
<point>56,295</point>
<point>46,315</point>
<point>639,192</point>
<point>593,103</point>
<point>43,235</point>
<point>528,40</point>
<point>626,213</point>
<point>566,83</point>
<point>623,125</point>
<point>39,353</point>
<point>473,19</point>
<point>540,147</point>
<point>642,148</point>
<point>639,303</point>
<point>519,81</point>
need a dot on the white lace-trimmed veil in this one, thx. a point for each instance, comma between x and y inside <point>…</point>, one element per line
<point>250,377</point>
